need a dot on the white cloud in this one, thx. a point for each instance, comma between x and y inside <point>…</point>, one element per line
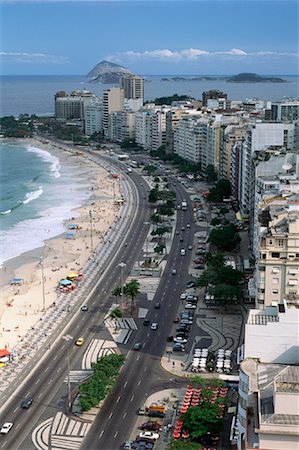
<point>25,57</point>
<point>192,54</point>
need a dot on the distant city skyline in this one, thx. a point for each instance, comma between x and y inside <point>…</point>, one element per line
<point>150,37</point>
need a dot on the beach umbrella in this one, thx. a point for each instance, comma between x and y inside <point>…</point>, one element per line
<point>72,275</point>
<point>72,226</point>
<point>176,434</point>
<point>65,282</point>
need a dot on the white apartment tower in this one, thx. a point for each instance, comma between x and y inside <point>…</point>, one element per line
<point>133,86</point>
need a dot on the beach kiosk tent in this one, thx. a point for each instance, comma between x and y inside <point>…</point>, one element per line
<point>17,281</point>
<point>72,226</point>
<point>70,235</point>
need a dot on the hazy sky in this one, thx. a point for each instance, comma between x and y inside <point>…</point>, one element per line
<point>150,36</point>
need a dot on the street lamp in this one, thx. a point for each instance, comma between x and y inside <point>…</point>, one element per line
<point>43,284</point>
<point>68,338</point>
<point>91,237</point>
<point>122,265</point>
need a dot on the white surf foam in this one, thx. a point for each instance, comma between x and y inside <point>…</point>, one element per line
<point>46,156</point>
<point>33,195</point>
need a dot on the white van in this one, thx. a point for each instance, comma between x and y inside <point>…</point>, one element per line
<point>183,252</point>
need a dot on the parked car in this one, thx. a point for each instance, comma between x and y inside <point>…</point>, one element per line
<point>142,410</point>
<point>150,426</point>
<point>137,346</point>
<point>146,322</point>
<point>128,445</point>
<point>188,321</point>
<point>199,267</point>
<point>190,284</point>
<point>6,427</point>
<point>156,414</point>
<point>154,326</point>
<point>198,261</point>
<point>183,328</point>
<point>180,339</point>
<point>27,403</point>
<point>190,297</point>
<point>169,338</point>
<point>190,306</point>
<point>176,319</point>
<point>178,347</point>
<point>149,435</point>
<point>182,334</point>
<point>183,296</point>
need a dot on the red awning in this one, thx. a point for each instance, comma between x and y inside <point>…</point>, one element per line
<point>4,352</point>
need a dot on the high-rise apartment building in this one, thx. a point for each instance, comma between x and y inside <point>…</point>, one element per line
<point>113,101</point>
<point>133,86</point>
<point>93,116</point>
<point>212,94</point>
<point>71,106</point>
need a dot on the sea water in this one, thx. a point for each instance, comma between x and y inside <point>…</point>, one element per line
<point>37,194</point>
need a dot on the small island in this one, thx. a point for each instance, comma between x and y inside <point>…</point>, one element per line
<point>253,78</point>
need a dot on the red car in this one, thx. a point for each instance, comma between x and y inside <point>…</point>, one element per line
<point>150,426</point>
<point>176,319</point>
<point>198,261</point>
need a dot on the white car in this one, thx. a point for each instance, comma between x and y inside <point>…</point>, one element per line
<point>6,427</point>
<point>180,339</point>
<point>183,296</point>
<point>154,326</point>
<point>149,435</point>
<point>190,306</point>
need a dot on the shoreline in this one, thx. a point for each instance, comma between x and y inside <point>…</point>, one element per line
<point>23,305</point>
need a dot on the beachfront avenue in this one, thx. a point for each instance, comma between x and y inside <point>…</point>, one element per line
<point>141,374</point>
<point>46,384</point>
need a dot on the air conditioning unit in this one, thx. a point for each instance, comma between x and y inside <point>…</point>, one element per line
<point>256,445</point>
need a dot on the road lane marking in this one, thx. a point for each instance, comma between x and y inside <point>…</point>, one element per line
<point>132,398</point>
<point>125,384</point>
<point>115,434</point>
<point>40,395</point>
<point>145,369</point>
<point>15,409</point>
<point>110,415</point>
<point>137,359</point>
<point>124,415</point>
<point>59,369</point>
<point>46,370</point>
<point>101,434</point>
<point>147,334</point>
<point>118,399</point>
<point>55,358</point>
<point>37,381</point>
<point>4,443</point>
<point>18,425</point>
<point>50,381</point>
<point>138,384</point>
<point>143,345</point>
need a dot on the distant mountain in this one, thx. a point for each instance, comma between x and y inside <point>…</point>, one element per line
<point>107,72</point>
<point>253,78</point>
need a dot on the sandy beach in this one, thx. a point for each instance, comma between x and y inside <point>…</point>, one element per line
<point>23,305</point>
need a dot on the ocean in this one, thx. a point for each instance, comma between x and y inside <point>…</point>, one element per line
<point>35,94</point>
<point>37,194</point>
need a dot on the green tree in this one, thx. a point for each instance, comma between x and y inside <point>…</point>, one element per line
<point>211,173</point>
<point>153,196</point>
<point>175,444</point>
<point>225,238</point>
<point>215,260</point>
<point>150,169</point>
<point>225,292</point>
<point>159,231</point>
<point>132,289</point>
<point>115,313</point>
<point>215,221</point>
<point>159,248</point>
<point>203,419</point>
<point>156,218</point>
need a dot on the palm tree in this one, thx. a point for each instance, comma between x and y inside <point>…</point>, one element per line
<point>116,292</point>
<point>132,289</point>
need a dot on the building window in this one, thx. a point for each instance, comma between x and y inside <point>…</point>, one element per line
<point>280,243</point>
<point>275,291</point>
<point>263,255</point>
<point>270,242</point>
<point>293,292</point>
<point>275,255</point>
<point>260,301</point>
<point>275,280</point>
<point>262,268</point>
